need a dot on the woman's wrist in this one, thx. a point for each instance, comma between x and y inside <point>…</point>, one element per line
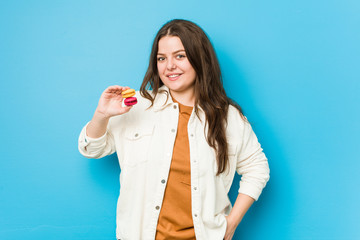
<point>101,116</point>
<point>98,125</point>
<point>241,206</point>
<point>234,220</point>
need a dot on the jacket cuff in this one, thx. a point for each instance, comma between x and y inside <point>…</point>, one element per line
<point>85,140</point>
<point>250,190</point>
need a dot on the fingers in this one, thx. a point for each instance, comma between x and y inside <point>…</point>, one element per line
<point>116,89</point>
<point>127,108</point>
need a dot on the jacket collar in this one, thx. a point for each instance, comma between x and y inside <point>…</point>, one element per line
<point>163,100</point>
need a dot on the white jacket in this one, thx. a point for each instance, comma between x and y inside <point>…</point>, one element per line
<point>144,139</point>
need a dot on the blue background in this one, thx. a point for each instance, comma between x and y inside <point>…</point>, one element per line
<point>292,65</point>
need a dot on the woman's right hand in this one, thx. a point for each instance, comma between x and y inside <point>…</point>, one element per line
<point>110,103</point>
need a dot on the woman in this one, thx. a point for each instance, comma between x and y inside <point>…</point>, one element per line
<point>179,146</point>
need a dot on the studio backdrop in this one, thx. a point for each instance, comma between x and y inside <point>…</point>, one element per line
<point>293,66</point>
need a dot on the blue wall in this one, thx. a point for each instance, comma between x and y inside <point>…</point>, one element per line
<point>292,65</point>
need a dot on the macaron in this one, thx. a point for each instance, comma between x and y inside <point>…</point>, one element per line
<point>130,101</point>
<point>128,93</point>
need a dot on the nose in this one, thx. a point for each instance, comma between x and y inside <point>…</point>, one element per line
<point>170,64</point>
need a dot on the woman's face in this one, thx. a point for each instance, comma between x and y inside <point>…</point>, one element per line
<point>174,67</point>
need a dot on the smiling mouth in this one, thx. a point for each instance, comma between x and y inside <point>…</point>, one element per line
<point>173,77</point>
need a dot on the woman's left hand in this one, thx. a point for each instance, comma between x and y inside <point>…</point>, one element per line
<point>242,204</point>
<point>230,229</point>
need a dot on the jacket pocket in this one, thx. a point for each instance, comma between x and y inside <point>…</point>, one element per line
<point>231,149</point>
<point>228,175</point>
<point>137,145</point>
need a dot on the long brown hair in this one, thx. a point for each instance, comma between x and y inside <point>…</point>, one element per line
<point>209,91</point>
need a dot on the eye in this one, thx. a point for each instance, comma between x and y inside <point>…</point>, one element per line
<point>160,59</point>
<point>180,56</point>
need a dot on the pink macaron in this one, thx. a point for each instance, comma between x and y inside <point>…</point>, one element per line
<point>130,101</point>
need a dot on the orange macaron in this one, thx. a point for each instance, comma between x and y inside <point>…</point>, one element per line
<point>128,93</point>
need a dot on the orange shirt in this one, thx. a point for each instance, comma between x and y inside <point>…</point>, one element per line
<point>175,219</point>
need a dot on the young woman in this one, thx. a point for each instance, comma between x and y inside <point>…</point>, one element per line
<point>179,146</point>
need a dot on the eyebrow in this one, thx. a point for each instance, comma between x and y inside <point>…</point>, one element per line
<point>181,50</point>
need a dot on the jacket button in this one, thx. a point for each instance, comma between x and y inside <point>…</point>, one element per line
<point>157,207</point>
<point>136,134</point>
<point>175,107</point>
<point>173,130</point>
<point>163,181</point>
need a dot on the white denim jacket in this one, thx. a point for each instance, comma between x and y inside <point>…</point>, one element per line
<point>144,140</point>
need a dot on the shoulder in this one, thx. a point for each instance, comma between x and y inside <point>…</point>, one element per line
<point>143,102</point>
<point>236,123</point>
<point>234,115</point>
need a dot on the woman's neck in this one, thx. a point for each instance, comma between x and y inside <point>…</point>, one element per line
<point>185,98</point>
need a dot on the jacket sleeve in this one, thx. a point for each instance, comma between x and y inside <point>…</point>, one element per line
<point>252,164</point>
<point>96,147</point>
